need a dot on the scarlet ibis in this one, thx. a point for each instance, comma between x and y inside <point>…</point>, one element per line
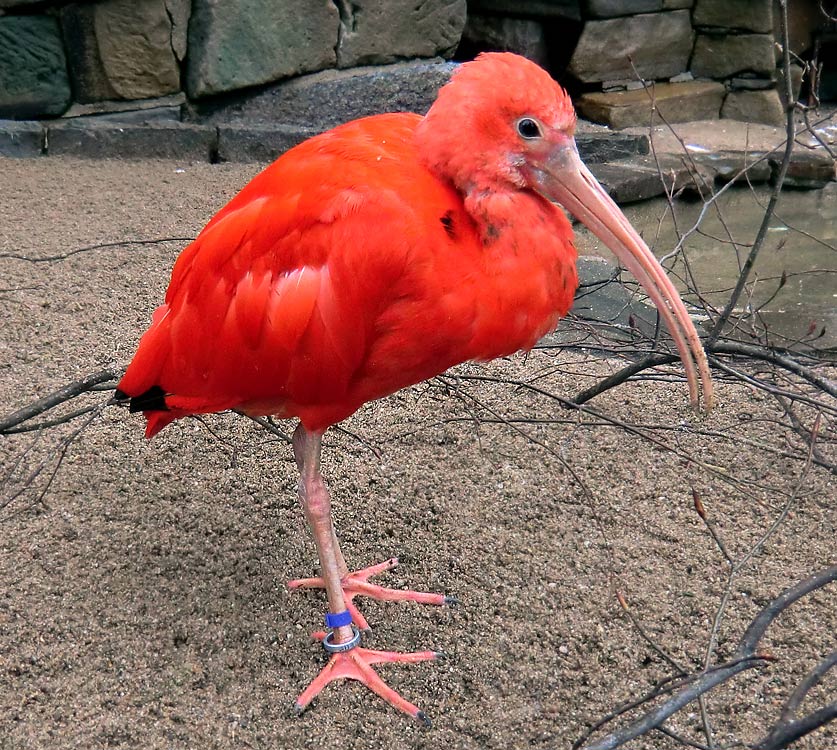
<point>374,256</point>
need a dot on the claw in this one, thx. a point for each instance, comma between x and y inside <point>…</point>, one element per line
<point>356,664</point>
<point>357,583</point>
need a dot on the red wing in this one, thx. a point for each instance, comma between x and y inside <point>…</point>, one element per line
<point>280,300</point>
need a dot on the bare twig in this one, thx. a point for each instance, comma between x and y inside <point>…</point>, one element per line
<point>89,248</point>
<point>69,391</point>
<point>745,657</point>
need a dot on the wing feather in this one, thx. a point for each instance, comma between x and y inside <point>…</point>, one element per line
<point>318,286</point>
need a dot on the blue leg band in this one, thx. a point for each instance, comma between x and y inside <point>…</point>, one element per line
<point>336,621</point>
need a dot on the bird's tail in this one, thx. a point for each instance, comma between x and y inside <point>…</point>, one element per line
<point>152,403</point>
<point>139,389</point>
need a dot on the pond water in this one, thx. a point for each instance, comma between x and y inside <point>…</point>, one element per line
<point>801,244</point>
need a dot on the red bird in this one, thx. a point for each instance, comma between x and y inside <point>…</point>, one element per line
<point>375,256</point>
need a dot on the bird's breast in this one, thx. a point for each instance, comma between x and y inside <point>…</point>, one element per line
<point>528,278</point>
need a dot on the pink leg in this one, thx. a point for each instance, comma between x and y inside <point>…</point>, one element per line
<point>355,662</point>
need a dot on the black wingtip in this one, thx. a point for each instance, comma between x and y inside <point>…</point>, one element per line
<point>119,398</point>
<point>154,399</point>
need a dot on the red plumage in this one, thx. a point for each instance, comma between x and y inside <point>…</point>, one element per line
<point>343,272</point>
<point>375,256</point>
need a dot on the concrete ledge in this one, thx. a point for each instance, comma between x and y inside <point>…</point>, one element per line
<point>93,140</point>
<point>21,139</point>
<point>242,143</point>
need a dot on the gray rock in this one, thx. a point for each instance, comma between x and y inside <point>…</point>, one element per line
<point>677,102</point>
<point>90,81</point>
<point>21,139</point>
<point>721,56</point>
<point>376,33</point>
<point>659,44</point>
<point>570,9</point>
<point>524,36</point>
<point>744,83</point>
<point>147,116</point>
<point>233,45</point>
<point>92,140</point>
<point>729,166</point>
<point>808,170</point>
<point>610,146</point>
<point>125,49</point>
<point>179,12</point>
<point>754,106</point>
<point>682,77</point>
<point>614,8</point>
<point>796,74</point>
<point>243,143</point>
<point>33,69</point>
<point>322,100</point>
<point>750,15</point>
<point>135,44</point>
<point>171,103</point>
<point>641,178</point>
<point>602,297</point>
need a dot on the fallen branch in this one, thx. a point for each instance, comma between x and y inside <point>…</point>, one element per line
<point>69,391</point>
<point>745,657</point>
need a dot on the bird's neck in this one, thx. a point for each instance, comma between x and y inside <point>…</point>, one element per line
<point>529,261</point>
<point>507,218</point>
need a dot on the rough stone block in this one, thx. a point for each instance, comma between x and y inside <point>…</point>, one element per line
<point>322,100</point>
<point>179,12</point>
<point>640,180</point>
<point>376,33</point>
<point>725,55</point>
<point>615,8</point>
<point>525,36</point>
<point>21,139</point>
<point>601,297</point>
<point>754,106</point>
<point>808,170</point>
<point>735,165</point>
<point>659,44</point>
<point>123,49</point>
<point>609,146</point>
<point>750,15</point>
<point>242,143</point>
<point>677,102</point>
<point>171,103</point>
<point>33,69</point>
<point>746,83</point>
<point>233,45</point>
<point>93,140</point>
<point>90,81</point>
<point>569,9</point>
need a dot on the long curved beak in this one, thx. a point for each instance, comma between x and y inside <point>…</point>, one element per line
<point>562,178</point>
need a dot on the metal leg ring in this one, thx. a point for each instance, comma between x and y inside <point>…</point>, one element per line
<point>338,648</point>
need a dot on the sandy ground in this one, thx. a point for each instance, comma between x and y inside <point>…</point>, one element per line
<point>143,599</point>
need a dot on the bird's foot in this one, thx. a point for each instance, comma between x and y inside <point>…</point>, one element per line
<point>357,582</point>
<point>356,664</point>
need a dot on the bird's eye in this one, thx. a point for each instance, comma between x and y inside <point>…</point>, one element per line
<point>528,128</point>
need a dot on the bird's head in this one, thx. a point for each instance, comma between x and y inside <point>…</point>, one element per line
<point>499,115</point>
<point>502,123</point>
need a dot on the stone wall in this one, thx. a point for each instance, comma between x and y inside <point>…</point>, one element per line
<point>307,61</point>
<point>59,58</point>
<point>706,58</point>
